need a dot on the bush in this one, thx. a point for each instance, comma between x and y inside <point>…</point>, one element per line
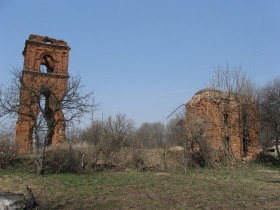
<point>7,152</point>
<point>266,158</point>
<point>62,158</point>
<point>211,159</point>
<point>67,158</point>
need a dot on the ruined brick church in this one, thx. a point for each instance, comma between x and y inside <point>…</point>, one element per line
<point>44,74</point>
<point>232,123</point>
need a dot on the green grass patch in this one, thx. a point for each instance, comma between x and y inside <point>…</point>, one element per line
<point>246,186</point>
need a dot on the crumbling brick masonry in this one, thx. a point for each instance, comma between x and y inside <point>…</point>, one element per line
<point>45,71</point>
<point>232,122</point>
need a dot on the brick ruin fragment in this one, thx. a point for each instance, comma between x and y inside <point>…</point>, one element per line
<point>45,71</point>
<point>230,125</point>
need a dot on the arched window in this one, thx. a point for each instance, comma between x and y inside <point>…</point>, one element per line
<point>47,64</point>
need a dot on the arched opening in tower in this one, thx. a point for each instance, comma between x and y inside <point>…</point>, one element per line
<point>45,121</point>
<point>47,64</point>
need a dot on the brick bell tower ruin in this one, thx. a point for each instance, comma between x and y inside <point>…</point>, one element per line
<point>45,73</point>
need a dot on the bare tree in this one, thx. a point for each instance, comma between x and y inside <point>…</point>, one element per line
<point>150,135</point>
<point>7,145</point>
<point>237,85</point>
<point>93,134</point>
<point>269,103</point>
<point>176,129</point>
<point>73,103</point>
<point>110,134</point>
<point>73,134</point>
<point>232,80</point>
<point>119,131</point>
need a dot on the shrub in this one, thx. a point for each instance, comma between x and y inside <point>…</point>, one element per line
<point>62,158</point>
<point>7,152</point>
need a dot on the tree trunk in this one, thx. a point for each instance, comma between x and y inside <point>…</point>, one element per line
<point>277,149</point>
<point>40,164</point>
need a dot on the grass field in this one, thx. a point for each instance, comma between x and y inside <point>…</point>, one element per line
<point>246,186</point>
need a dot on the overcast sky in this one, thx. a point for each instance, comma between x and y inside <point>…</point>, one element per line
<point>146,57</point>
